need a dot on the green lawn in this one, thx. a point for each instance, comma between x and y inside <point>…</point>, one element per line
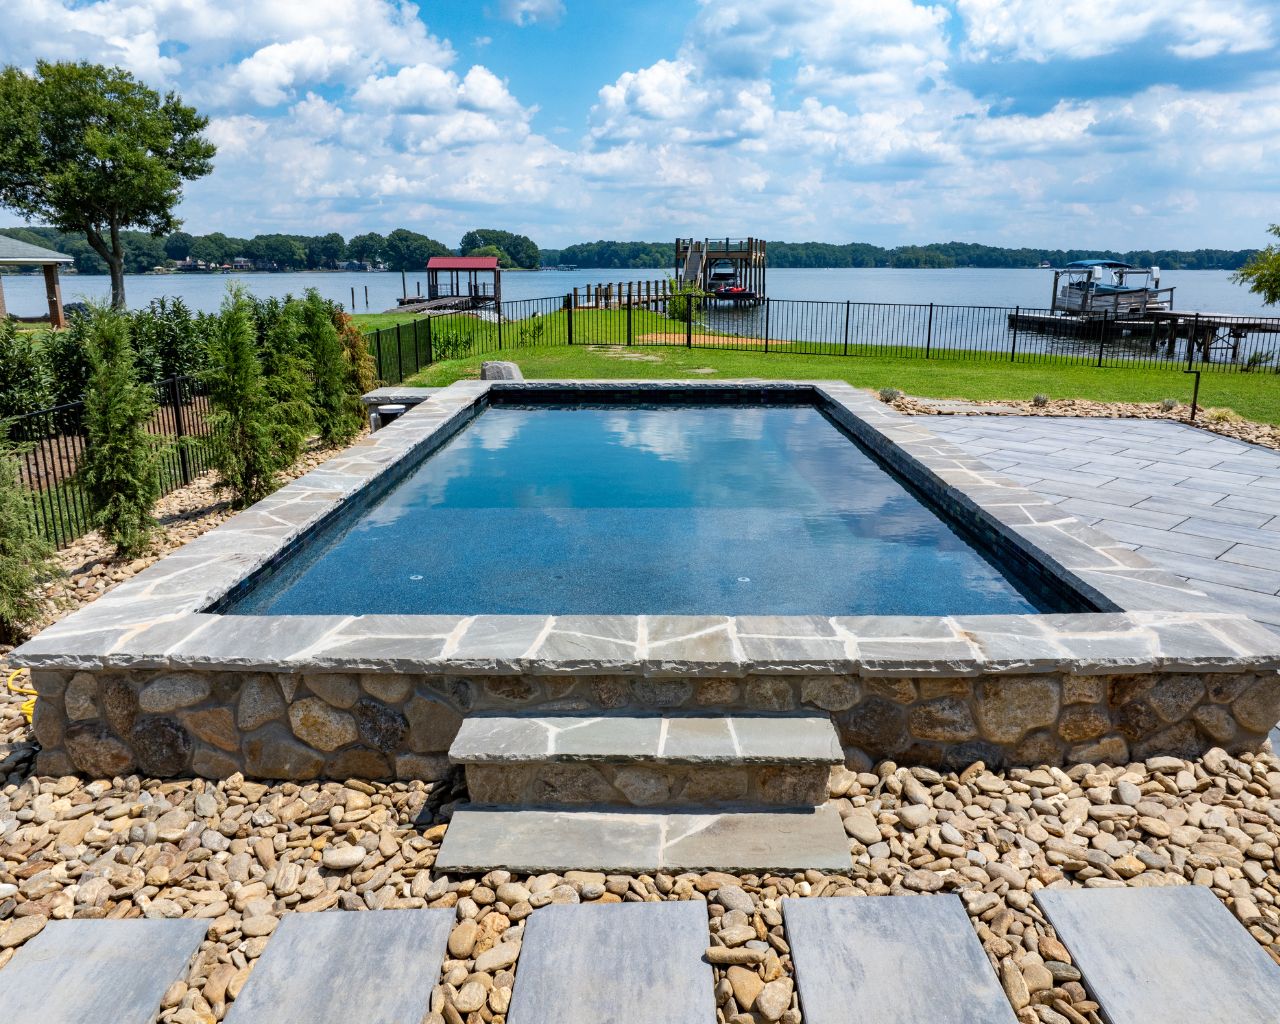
<point>377,321</point>
<point>1254,396</point>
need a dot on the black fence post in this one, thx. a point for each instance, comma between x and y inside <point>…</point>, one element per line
<point>569,304</point>
<point>499,332</point>
<point>1013,349</point>
<point>846,327</point>
<point>1191,354</point>
<point>688,321</point>
<point>184,461</point>
<point>431,356</point>
<point>377,353</point>
<point>399,355</point>
<point>766,323</point>
<point>928,333</point>
<point>417,349</point>
<point>629,327</point>
<point>1102,335</point>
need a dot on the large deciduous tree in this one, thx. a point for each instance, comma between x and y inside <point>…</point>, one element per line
<point>1262,272</point>
<point>89,148</point>
<point>520,249</point>
<point>408,250</point>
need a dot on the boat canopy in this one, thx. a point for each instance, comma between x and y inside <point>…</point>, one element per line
<point>1085,264</point>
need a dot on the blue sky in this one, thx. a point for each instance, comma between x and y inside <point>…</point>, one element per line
<point>1012,122</point>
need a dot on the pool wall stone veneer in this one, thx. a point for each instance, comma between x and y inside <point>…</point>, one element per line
<point>146,679</point>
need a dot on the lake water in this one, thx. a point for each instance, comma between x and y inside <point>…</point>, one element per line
<point>1204,290</point>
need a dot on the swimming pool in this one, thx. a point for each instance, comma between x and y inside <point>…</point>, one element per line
<point>548,506</point>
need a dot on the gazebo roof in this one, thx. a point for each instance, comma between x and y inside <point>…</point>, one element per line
<point>13,251</point>
<point>462,263</point>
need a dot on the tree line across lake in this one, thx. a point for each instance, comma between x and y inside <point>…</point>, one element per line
<point>403,249</point>
<point>862,254</point>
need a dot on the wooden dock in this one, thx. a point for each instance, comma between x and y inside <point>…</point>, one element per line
<point>1212,337</point>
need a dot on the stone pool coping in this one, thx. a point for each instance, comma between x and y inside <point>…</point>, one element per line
<point>1153,621</point>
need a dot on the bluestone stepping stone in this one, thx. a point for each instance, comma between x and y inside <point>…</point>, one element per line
<point>623,963</point>
<point>479,839</point>
<point>1172,955</point>
<point>338,967</point>
<point>97,972</point>
<point>891,960</point>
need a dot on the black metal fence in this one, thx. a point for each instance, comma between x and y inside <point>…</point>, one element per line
<point>53,440</point>
<point>1175,341</point>
<point>52,444</point>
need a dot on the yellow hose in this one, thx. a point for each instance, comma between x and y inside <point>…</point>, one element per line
<point>28,707</point>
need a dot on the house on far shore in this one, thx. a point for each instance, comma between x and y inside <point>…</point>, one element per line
<point>14,253</point>
<point>242,263</point>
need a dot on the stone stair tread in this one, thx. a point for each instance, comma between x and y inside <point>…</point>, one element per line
<point>336,966</point>
<point>678,738</point>
<point>627,963</point>
<point>1170,954</point>
<point>891,960</point>
<point>536,840</point>
<point>83,972</point>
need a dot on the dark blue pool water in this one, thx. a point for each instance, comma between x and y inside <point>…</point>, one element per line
<point>683,509</point>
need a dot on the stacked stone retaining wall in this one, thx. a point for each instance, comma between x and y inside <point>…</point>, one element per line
<point>379,725</point>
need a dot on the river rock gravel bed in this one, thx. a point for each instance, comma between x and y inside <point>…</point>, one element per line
<point>242,854</point>
<point>1217,421</point>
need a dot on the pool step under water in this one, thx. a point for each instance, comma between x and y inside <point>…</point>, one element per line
<point>642,792</point>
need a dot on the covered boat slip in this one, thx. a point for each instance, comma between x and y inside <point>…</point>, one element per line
<point>1109,286</point>
<point>1106,301</point>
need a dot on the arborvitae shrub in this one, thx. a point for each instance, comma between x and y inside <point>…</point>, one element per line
<point>286,369</point>
<point>25,557</point>
<point>121,466</point>
<point>244,449</point>
<point>362,374</point>
<point>337,412</point>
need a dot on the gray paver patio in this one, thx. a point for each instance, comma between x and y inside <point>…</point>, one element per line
<point>887,960</point>
<point>1174,955</point>
<point>1202,506</point>
<point>84,972</point>
<point>645,960</point>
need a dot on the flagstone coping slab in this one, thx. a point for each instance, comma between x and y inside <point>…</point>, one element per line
<point>629,963</point>
<point>533,840</point>
<point>97,972</point>
<point>338,967</point>
<point>1174,955</point>
<point>677,738</point>
<point>891,960</point>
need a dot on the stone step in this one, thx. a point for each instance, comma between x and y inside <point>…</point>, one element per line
<point>77,972</point>
<point>648,760</point>
<point>891,960</point>
<point>533,841</point>
<point>336,967</point>
<point>626,963</point>
<point>1170,954</point>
